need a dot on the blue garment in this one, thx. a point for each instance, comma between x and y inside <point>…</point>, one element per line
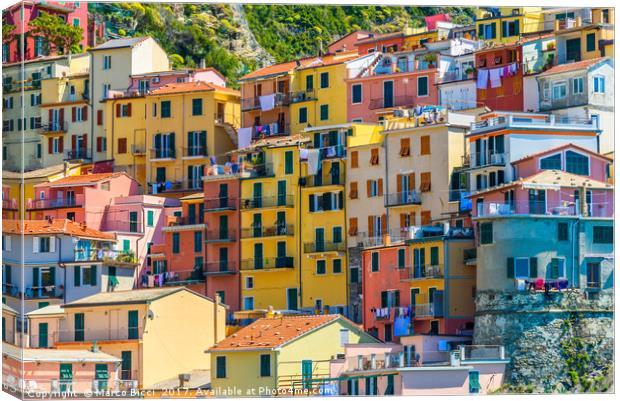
<point>401,326</point>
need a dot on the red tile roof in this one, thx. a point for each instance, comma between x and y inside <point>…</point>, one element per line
<point>185,87</point>
<point>85,179</point>
<point>269,333</point>
<point>561,147</point>
<point>56,226</point>
<point>558,69</point>
<point>307,62</point>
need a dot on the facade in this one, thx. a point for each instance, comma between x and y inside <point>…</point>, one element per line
<point>291,349</point>
<point>507,24</point>
<point>587,35</point>
<point>499,77</point>
<point>456,84</point>
<point>154,332</point>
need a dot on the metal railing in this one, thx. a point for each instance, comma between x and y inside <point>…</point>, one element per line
<point>54,126</point>
<point>314,247</point>
<point>263,170</point>
<point>212,204</point>
<point>402,198</point>
<point>221,236</point>
<point>324,180</point>
<point>221,267</point>
<point>138,149</point>
<point>186,220</point>
<point>46,203</point>
<point>78,154</point>
<point>396,101</point>
<point>183,277</point>
<point>274,129</point>
<point>195,151</point>
<point>481,352</point>
<point>525,121</point>
<point>422,272</point>
<point>455,75</point>
<point>302,96</point>
<point>281,262</point>
<point>268,231</point>
<point>489,159</point>
<point>434,309</point>
<point>163,153</point>
<point>540,207</point>
<point>267,201</point>
<point>253,103</point>
<point>108,256</point>
<point>101,334</point>
<point>9,204</point>
<point>32,292</point>
<point>56,388</point>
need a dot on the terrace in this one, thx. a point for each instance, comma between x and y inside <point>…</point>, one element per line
<point>280,262</point>
<point>268,231</point>
<point>529,121</point>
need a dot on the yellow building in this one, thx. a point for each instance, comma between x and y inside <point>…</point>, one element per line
<point>507,24</point>
<point>586,38</point>
<point>270,256</point>
<point>281,353</point>
<point>155,332</point>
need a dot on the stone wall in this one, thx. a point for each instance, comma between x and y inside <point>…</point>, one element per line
<point>562,342</point>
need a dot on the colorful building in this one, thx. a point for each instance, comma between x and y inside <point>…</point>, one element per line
<point>585,36</point>
<point>291,350</point>
<point>499,77</point>
<point>508,24</point>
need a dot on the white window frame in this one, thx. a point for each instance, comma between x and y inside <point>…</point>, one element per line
<point>361,94</point>
<point>343,333</point>
<point>579,83</point>
<point>596,87</point>
<point>428,88</point>
<point>558,85</point>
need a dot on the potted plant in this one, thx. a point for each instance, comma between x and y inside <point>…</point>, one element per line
<point>470,71</point>
<point>430,58</point>
<point>551,46</point>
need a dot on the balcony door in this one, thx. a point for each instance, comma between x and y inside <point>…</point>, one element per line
<point>223,195</point>
<point>291,299</point>
<point>319,239</point>
<point>223,259</point>
<point>258,256</point>
<point>537,201</point>
<point>573,50</point>
<point>70,198</point>
<point>388,94</point>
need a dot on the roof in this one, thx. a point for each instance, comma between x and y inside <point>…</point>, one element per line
<point>47,310</point>
<point>197,195</point>
<point>270,333</point>
<point>186,87</point>
<point>383,36</point>
<point>55,226</point>
<point>39,173</point>
<point>550,178</point>
<point>7,308</point>
<point>84,179</point>
<point>579,65</point>
<point>330,59</point>
<point>562,147</point>
<point>275,69</point>
<point>141,296</point>
<point>120,43</point>
<point>55,355</point>
<point>275,142</point>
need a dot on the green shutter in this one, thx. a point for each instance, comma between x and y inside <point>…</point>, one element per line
<point>220,367</point>
<point>77,276</point>
<point>337,265</point>
<point>493,30</point>
<point>510,267</point>
<point>265,365</point>
<point>197,241</point>
<point>401,258</point>
<point>132,320</point>
<point>288,162</point>
<point>53,275</point>
<point>481,31</point>
<point>101,371</point>
<point>149,218</point>
<point>35,277</point>
<point>533,267</point>
<point>93,275</point>
<point>434,256</point>
<point>43,335</point>
<point>554,268</point>
<point>66,372</point>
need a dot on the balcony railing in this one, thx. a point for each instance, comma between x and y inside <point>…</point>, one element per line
<point>470,255</point>
<point>542,207</point>
<point>138,149</point>
<point>47,203</point>
<point>78,154</point>
<point>434,309</point>
<point>9,204</point>
<point>261,131</point>
<point>184,220</point>
<point>54,126</point>
<point>122,332</point>
<point>489,159</point>
<point>396,101</point>
<point>268,231</point>
<point>281,262</point>
<point>32,292</point>
<point>195,151</point>
<point>422,272</point>
<point>267,201</point>
<point>526,121</point>
<point>221,267</point>
<point>221,236</point>
<point>316,247</point>
<point>402,198</point>
<point>481,352</point>
<point>184,277</point>
<point>263,170</point>
<point>253,103</point>
<point>163,153</point>
<point>303,96</point>
<point>324,180</point>
<point>213,204</point>
<point>108,256</point>
<point>173,186</point>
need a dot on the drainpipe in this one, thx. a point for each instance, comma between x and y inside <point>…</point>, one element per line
<point>299,219</point>
<point>91,95</point>
<point>387,185</point>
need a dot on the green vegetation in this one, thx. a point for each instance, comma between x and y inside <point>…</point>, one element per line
<point>63,36</point>
<point>8,33</point>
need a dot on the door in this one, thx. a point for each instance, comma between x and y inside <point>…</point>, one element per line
<point>101,375</point>
<point>223,227</point>
<point>281,223</point>
<point>281,258</point>
<point>336,173</point>
<point>573,50</point>
<point>132,325</point>
<point>537,201</point>
<point>223,195</point>
<point>291,298</point>
<point>257,196</point>
<point>319,239</point>
<point>223,259</point>
<point>79,327</point>
<point>388,94</point>
<point>126,365</point>
<point>43,342</point>
<point>66,377</point>
<point>306,373</point>
<point>281,193</point>
<point>258,256</point>
<point>257,225</point>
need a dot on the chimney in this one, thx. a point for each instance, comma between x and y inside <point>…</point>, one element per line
<point>216,303</point>
<point>387,240</point>
<point>203,63</point>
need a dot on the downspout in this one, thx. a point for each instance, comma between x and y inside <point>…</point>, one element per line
<point>299,219</point>
<point>93,114</point>
<point>387,183</point>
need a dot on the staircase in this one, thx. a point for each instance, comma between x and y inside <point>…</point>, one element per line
<point>230,130</point>
<point>370,67</point>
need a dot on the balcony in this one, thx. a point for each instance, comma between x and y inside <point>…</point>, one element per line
<point>78,154</point>
<point>46,203</point>
<point>303,96</point>
<point>184,277</point>
<point>120,333</point>
<point>319,247</point>
<point>263,170</point>
<point>470,256</point>
<point>489,159</point>
<point>267,130</point>
<point>281,262</point>
<point>163,154</point>
<point>221,236</point>
<point>425,272</point>
<point>138,150</point>
<point>184,220</point>
<point>219,204</point>
<point>268,201</point>
<point>455,76</point>
<point>270,231</point>
<point>434,309</point>
<point>481,353</point>
<point>221,268</point>
<point>175,186</point>
<point>402,199</point>
<point>120,224</point>
<point>9,204</point>
<point>542,208</point>
<point>528,121</point>
<point>312,181</point>
<point>53,127</point>
<point>195,152</point>
<point>396,101</point>
<point>32,292</point>
<point>253,103</point>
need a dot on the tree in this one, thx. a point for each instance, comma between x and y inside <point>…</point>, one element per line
<point>63,36</point>
<point>8,33</point>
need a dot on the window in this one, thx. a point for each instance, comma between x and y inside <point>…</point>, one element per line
<point>78,321</point>
<point>337,235</point>
<point>150,218</point>
<point>374,156</point>
<point>401,258</point>
<point>562,231</point>
<point>354,159</point>
<point>522,268</point>
<point>577,86</point>
<point>487,31</point>
<point>510,28</point>
<point>324,112</point>
<point>303,115</point>
<point>557,268</point>
<point>107,62</point>
<point>356,94</point>
<point>165,109</point>
<point>132,325</point>
<point>265,365</point>
<point>590,42</point>
<point>553,162</point>
<point>249,283</point>
<point>374,263</point>
<point>309,82</point>
<point>320,267</point>
<point>425,182</point>
<point>422,86</point>
<point>599,84</point>
<point>577,163</point>
<point>344,337</point>
<point>486,233</point>
<point>196,107</point>
<point>559,90</point>
<point>324,80</point>
<point>425,145</point>
<point>288,162</point>
<point>220,367</point>
<point>176,243</point>
<point>105,90</point>
<point>602,235</point>
<point>197,241</point>
<point>248,303</point>
<point>593,272</point>
<point>337,266</point>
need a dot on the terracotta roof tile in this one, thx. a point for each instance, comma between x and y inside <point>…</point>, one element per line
<point>269,333</point>
<point>84,179</point>
<point>185,87</point>
<point>306,62</point>
<point>56,226</point>
<point>558,69</point>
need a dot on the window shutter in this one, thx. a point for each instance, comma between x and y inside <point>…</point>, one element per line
<point>480,31</point>
<point>171,141</point>
<point>118,110</point>
<point>99,117</point>
<point>493,30</point>
<point>35,244</point>
<point>203,139</point>
<point>99,144</point>
<point>73,114</point>
<point>311,202</point>
<point>353,226</point>
<point>380,187</point>
<point>61,144</point>
<point>73,142</point>
<point>504,29</point>
<point>50,116</point>
<point>77,273</point>
<point>85,113</point>
<point>371,230</point>
<point>61,114</point>
<point>35,276</point>
<point>399,183</point>
<point>93,275</point>
<point>368,188</point>
<point>128,109</point>
<point>340,200</point>
<point>85,141</point>
<point>403,221</point>
<point>52,244</point>
<point>53,275</point>
<point>533,267</point>
<point>510,267</point>
<point>50,145</point>
<point>517,28</point>
<point>554,268</point>
<point>383,224</point>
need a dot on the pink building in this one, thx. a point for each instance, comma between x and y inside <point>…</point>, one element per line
<point>347,42</point>
<point>402,79</point>
<point>9,205</point>
<point>74,13</point>
<point>150,81</point>
<point>81,198</point>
